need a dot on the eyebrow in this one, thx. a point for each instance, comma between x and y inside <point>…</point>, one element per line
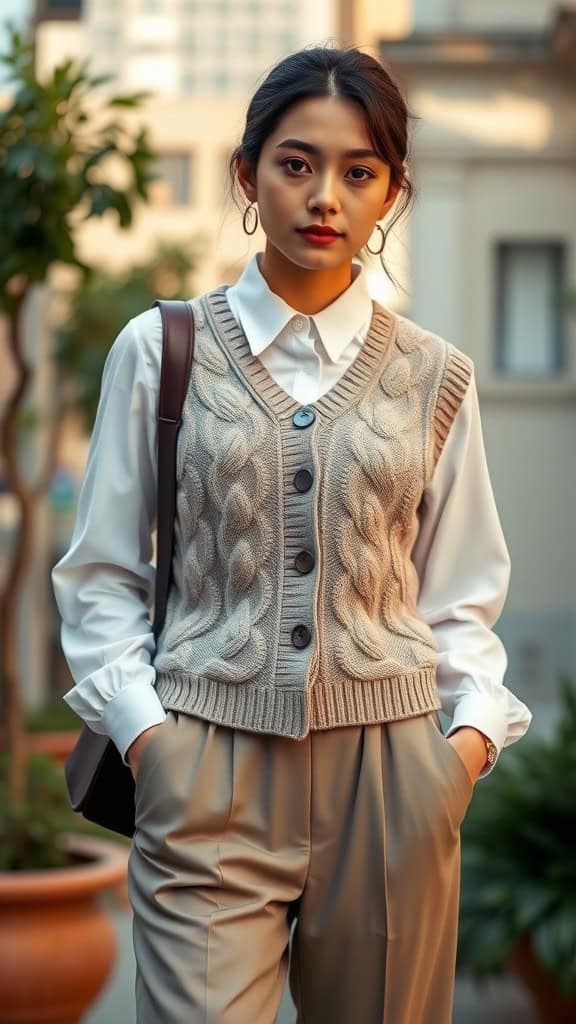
<point>309,148</point>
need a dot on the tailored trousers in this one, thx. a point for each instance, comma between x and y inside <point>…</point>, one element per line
<point>353,832</point>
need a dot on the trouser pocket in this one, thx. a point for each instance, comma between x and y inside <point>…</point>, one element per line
<point>455,768</point>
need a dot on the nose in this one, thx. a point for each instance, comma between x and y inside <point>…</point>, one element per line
<point>324,195</point>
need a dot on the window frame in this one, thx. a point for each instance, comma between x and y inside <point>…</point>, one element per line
<point>557,248</point>
<point>190,157</point>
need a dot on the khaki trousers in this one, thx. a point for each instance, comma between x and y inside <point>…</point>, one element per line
<point>353,831</point>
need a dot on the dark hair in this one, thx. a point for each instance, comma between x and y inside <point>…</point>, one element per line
<point>330,71</point>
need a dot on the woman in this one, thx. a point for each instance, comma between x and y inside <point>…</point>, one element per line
<point>338,566</point>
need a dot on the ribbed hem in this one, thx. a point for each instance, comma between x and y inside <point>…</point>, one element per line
<point>294,713</point>
<point>374,700</point>
<point>243,706</point>
<point>455,380</point>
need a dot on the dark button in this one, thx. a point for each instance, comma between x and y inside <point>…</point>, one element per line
<point>303,480</point>
<point>304,561</point>
<point>304,417</point>
<point>301,636</point>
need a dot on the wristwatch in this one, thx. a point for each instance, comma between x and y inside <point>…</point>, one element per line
<point>491,752</point>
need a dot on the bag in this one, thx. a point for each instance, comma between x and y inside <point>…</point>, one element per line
<point>100,786</point>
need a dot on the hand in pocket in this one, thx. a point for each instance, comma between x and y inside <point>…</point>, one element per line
<point>136,749</point>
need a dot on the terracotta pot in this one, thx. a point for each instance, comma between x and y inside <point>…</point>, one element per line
<point>57,944</point>
<point>552,1006</point>
<point>58,744</point>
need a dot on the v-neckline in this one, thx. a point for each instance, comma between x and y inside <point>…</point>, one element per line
<point>372,356</point>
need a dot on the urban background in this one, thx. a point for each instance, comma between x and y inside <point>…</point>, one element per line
<point>486,258</point>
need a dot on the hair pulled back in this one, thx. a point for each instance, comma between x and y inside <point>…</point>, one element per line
<point>332,71</point>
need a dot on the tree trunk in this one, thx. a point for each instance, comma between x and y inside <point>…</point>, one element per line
<point>18,563</point>
<point>27,497</point>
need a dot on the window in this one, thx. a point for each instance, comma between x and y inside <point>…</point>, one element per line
<point>173,186</point>
<point>221,80</point>
<point>189,82</point>
<point>190,43</point>
<point>530,321</point>
<point>286,40</point>
<point>221,43</point>
<point>109,37</point>
<point>49,10</point>
<point>252,41</point>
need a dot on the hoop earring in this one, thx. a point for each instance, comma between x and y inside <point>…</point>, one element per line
<point>376,252</point>
<point>249,208</point>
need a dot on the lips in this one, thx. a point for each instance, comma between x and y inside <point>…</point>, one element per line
<point>317,229</point>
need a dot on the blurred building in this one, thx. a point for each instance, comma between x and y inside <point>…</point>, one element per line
<point>201,59</point>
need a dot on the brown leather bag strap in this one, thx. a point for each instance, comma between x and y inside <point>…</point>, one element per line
<point>177,354</point>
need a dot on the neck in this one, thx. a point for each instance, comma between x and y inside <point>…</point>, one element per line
<point>308,291</point>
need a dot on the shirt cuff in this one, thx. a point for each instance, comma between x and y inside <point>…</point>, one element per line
<point>136,708</point>
<point>484,715</point>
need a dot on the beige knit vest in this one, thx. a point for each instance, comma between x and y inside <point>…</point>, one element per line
<point>293,604</point>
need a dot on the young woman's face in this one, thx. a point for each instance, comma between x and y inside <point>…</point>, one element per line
<point>311,180</point>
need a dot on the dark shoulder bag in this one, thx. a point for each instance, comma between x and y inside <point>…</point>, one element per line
<point>100,786</point>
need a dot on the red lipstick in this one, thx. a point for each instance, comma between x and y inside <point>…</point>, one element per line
<point>319,234</point>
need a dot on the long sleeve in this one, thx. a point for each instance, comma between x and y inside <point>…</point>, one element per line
<point>104,581</point>
<point>464,570</point>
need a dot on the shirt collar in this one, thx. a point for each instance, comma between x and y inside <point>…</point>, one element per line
<point>264,314</point>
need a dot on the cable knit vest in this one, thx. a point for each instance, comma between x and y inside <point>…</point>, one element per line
<point>293,604</point>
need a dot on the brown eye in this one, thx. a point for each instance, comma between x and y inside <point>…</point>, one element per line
<point>366,171</point>
<point>294,160</point>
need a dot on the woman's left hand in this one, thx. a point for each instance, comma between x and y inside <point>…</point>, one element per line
<point>471,748</point>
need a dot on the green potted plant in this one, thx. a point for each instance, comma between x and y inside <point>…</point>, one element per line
<point>51,729</point>
<point>518,896</point>
<point>52,869</point>
<point>56,946</point>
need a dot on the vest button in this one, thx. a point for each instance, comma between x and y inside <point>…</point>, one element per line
<point>301,636</point>
<point>303,480</point>
<point>304,417</point>
<point>304,561</point>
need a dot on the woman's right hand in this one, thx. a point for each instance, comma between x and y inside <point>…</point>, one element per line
<point>135,749</point>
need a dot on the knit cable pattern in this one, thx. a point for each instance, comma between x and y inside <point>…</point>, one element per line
<point>337,639</point>
<point>225,427</point>
<point>381,488</point>
<point>194,560</point>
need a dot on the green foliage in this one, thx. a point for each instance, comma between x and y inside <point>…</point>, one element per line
<point>518,856</point>
<point>55,716</point>
<point>101,306</point>
<point>30,830</point>
<point>54,154</point>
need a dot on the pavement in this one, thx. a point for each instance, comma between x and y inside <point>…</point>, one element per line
<point>497,1001</point>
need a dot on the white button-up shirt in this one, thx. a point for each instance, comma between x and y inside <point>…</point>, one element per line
<point>103,581</point>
